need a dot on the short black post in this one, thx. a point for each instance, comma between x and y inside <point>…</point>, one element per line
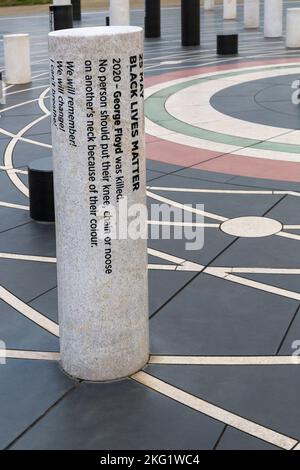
<point>152,18</point>
<point>76,10</point>
<point>61,17</point>
<point>190,22</point>
<point>227,44</point>
<point>107,20</point>
<point>41,193</point>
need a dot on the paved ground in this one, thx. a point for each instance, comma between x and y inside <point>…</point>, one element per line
<point>224,318</point>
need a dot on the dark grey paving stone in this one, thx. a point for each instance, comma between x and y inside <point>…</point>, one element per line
<point>287,211</point>
<point>291,342</point>
<point>30,109</point>
<point>28,389</point>
<point>161,167</point>
<point>267,395</point>
<point>215,317</point>
<point>120,415</point>
<point>27,279</point>
<point>10,218</point>
<point>18,332</point>
<point>283,281</point>
<point>47,304</point>
<point>266,252</point>
<point>9,192</point>
<point>226,205</point>
<point>266,101</point>
<point>15,123</point>
<point>30,239</point>
<point>233,439</point>
<point>215,242</point>
<point>265,183</point>
<point>196,173</point>
<point>42,127</point>
<point>152,175</point>
<point>24,153</point>
<point>163,285</point>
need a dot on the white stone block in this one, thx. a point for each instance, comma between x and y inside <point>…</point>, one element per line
<point>209,4</point>
<point>96,77</point>
<point>273,18</point>
<point>119,12</point>
<point>229,9</point>
<point>251,13</point>
<point>61,2</point>
<point>293,27</point>
<point>17,59</point>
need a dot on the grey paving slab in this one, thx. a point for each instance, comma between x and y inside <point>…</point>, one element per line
<point>163,285</point>
<point>47,304</point>
<point>10,218</point>
<point>196,173</point>
<point>28,389</point>
<point>267,395</point>
<point>27,280</point>
<point>9,192</point>
<point>225,205</point>
<point>120,415</point>
<point>265,183</point>
<point>24,153</point>
<point>271,252</point>
<point>30,239</point>
<point>18,332</point>
<point>216,317</point>
<point>291,342</point>
<point>233,439</point>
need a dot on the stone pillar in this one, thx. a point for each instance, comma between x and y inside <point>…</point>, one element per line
<point>229,9</point>
<point>293,27</point>
<point>17,59</point>
<point>61,17</point>
<point>273,18</point>
<point>119,12</point>
<point>76,10</point>
<point>152,18</point>
<point>190,22</point>
<point>97,99</point>
<point>209,4</point>
<point>251,13</point>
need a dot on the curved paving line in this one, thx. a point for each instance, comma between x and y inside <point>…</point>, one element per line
<point>156,112</point>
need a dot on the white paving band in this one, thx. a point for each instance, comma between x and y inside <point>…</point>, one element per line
<point>215,412</point>
<point>36,355</point>
<point>225,360</point>
<point>28,311</point>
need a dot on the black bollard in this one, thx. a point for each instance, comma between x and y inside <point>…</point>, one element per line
<point>61,17</point>
<point>190,22</point>
<point>227,44</point>
<point>152,18</point>
<point>41,193</point>
<point>107,20</point>
<point>76,10</point>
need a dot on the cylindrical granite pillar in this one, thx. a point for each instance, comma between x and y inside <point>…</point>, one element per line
<point>61,17</point>
<point>251,13</point>
<point>209,4</point>
<point>293,27</point>
<point>17,58</point>
<point>119,12</point>
<point>190,22</point>
<point>76,9</point>
<point>152,18</point>
<point>273,18</point>
<point>229,9</point>
<point>97,97</point>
